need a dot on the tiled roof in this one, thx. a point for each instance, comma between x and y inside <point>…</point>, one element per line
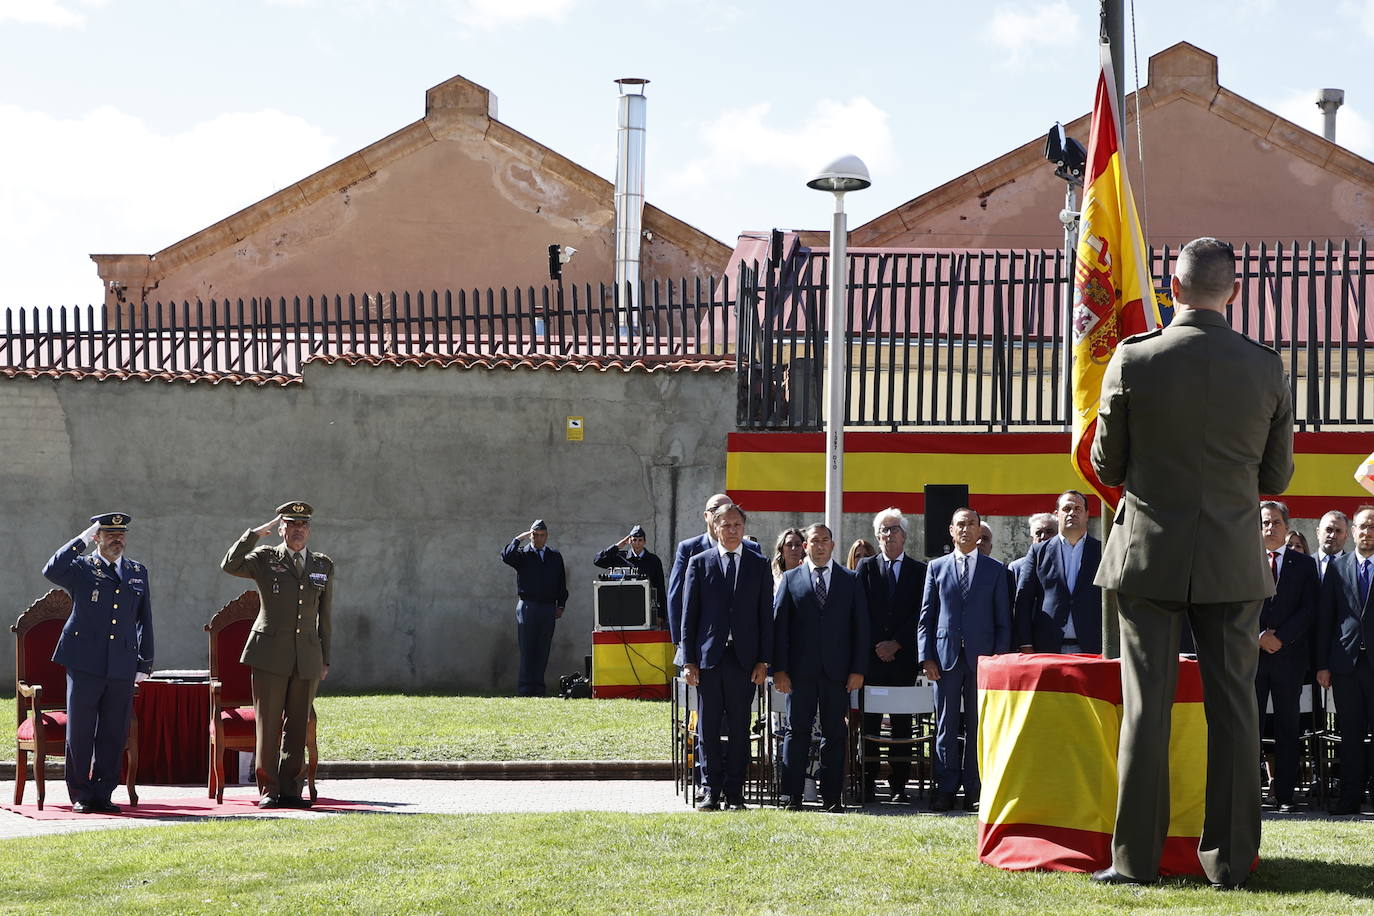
<point>578,363</point>
<point>151,375</point>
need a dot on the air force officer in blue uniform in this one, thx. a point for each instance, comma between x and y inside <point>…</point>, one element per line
<point>106,645</point>
<point>727,641</point>
<point>821,644</point>
<point>965,613</point>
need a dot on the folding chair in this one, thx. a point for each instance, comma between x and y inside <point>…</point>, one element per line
<point>918,701</point>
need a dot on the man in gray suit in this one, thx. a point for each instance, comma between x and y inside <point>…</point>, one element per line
<point>1196,422</point>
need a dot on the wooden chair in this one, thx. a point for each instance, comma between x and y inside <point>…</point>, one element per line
<point>233,725</point>
<point>40,695</point>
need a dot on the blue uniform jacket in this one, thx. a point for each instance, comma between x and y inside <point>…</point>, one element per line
<point>110,631</point>
<point>951,624</point>
<point>809,640</point>
<point>677,577</point>
<point>713,613</point>
<point>542,581</point>
<point>1044,602</point>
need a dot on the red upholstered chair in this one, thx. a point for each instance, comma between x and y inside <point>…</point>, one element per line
<point>233,725</point>
<point>40,694</point>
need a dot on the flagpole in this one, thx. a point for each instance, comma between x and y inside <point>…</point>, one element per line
<point>1112,36</point>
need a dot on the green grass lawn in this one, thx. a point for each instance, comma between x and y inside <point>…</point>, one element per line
<point>396,727</point>
<point>754,862</point>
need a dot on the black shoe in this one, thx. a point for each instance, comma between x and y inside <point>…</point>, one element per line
<point>1286,807</point>
<point>899,797</point>
<point>834,806</point>
<point>1110,875</point>
<point>268,801</point>
<point>1344,807</point>
<point>84,808</point>
<point>735,803</point>
<point>788,803</point>
<point>870,794</point>
<point>103,807</point>
<point>708,802</point>
<point>293,801</point>
<point>943,801</point>
<point>1238,886</point>
<point>970,803</point>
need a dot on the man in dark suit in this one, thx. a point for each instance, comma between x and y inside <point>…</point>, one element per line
<point>1345,656</point>
<point>288,647</point>
<point>1332,532</point>
<point>1058,608</point>
<point>965,613</point>
<point>821,646</point>
<point>727,640</point>
<point>1195,421</point>
<point>892,583</point>
<point>630,551</point>
<point>677,577</point>
<point>1286,621</point>
<point>542,585</point>
<point>106,647</point>
<point>1042,527</point>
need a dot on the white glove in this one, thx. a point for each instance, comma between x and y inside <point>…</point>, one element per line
<point>140,677</point>
<point>89,534</point>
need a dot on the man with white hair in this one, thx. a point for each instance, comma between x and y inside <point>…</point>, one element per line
<point>892,583</point>
<point>1043,526</point>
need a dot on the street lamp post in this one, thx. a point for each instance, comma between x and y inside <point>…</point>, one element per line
<point>848,173</point>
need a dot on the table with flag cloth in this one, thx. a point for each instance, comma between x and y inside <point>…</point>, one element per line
<point>173,732</point>
<point>1047,737</point>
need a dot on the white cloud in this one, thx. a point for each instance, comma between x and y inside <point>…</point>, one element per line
<point>1023,28</point>
<point>108,183</point>
<point>493,14</point>
<point>1353,130</point>
<point>41,12</point>
<point>1362,11</point>
<point>740,139</point>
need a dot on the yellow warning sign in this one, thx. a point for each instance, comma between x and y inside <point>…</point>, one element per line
<point>574,429</point>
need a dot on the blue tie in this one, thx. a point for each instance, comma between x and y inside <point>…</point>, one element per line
<point>820,585</point>
<point>730,568</point>
<point>1364,583</point>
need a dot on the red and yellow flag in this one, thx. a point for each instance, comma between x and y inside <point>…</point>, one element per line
<point>1113,293</point>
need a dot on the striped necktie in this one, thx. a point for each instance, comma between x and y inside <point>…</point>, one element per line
<point>820,585</point>
<point>963,575</point>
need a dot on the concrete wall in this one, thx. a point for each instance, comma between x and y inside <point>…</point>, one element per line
<point>418,476</point>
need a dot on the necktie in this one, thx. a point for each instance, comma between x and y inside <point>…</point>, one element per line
<point>1274,564</point>
<point>1364,583</point>
<point>820,585</point>
<point>730,568</point>
<point>891,579</point>
<point>963,575</point>
<point>297,562</point>
<point>113,569</point>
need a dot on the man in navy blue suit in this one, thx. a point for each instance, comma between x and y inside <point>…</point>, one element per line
<point>727,642</point>
<point>1285,622</point>
<point>677,576</point>
<point>106,647</point>
<point>542,585</point>
<point>965,613</point>
<point>892,583</point>
<point>821,647</point>
<point>1058,608</point>
<point>1345,655</point>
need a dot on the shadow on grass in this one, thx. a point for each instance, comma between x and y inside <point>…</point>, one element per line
<point>1287,875</point>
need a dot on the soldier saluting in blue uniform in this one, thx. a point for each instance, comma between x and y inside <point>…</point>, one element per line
<point>106,647</point>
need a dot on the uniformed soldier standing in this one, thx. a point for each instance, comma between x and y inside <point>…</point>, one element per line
<point>288,648</point>
<point>106,647</point>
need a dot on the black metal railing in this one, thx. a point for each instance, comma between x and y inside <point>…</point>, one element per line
<point>976,338</point>
<point>275,336</point>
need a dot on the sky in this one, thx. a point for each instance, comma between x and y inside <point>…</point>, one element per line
<point>127,125</point>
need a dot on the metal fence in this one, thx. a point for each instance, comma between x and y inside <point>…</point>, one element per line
<point>275,336</point>
<point>974,339</point>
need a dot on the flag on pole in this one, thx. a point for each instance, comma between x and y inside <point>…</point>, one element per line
<point>1113,292</point>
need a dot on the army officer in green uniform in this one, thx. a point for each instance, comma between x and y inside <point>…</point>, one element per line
<point>288,648</point>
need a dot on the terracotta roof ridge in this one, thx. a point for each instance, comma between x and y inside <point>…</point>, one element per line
<point>185,376</point>
<point>575,362</point>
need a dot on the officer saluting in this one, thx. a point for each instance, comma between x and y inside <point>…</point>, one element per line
<point>288,648</point>
<point>106,646</point>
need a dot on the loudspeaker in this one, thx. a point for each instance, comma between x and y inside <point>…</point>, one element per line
<point>942,499</point>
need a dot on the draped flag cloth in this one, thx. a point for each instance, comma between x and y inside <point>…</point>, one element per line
<point>1048,727</point>
<point>1113,293</point>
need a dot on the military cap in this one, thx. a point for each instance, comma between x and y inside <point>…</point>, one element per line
<point>296,511</point>
<point>539,525</point>
<point>112,521</point>
<point>637,531</point>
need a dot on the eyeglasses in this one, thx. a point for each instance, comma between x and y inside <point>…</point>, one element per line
<point>890,529</point>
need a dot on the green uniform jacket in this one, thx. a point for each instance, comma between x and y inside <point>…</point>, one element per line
<point>291,634</point>
<point>1196,421</point>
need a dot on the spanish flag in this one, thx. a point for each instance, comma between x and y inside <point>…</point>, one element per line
<point>1113,294</point>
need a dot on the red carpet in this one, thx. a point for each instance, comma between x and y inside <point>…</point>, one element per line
<point>192,806</point>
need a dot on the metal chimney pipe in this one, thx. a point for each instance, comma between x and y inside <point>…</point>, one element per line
<point>629,189</point>
<point>1328,100</point>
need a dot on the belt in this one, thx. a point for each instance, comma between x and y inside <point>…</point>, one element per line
<point>1070,648</point>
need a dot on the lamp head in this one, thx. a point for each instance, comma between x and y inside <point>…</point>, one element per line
<point>1068,155</point>
<point>847,173</point>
